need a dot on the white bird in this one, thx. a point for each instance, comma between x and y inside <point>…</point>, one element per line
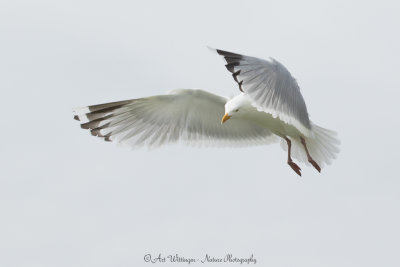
<point>270,107</point>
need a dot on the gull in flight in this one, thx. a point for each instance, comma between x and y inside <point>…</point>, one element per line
<point>269,108</point>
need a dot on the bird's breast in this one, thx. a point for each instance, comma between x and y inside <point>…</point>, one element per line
<point>274,124</point>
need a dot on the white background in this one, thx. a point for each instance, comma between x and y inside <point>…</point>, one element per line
<point>70,199</point>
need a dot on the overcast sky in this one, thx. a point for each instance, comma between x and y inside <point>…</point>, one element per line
<point>69,199</point>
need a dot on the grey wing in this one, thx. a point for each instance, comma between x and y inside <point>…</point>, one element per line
<point>191,116</point>
<point>271,87</point>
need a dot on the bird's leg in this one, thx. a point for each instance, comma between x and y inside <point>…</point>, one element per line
<point>310,159</point>
<point>290,162</point>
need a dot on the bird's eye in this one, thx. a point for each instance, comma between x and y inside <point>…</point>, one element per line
<point>236,110</point>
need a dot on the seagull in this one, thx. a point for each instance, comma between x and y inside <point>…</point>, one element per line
<point>268,109</point>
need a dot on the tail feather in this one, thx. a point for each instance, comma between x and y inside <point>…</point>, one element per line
<point>323,146</point>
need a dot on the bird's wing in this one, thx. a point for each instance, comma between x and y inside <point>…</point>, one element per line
<point>271,88</point>
<point>191,116</point>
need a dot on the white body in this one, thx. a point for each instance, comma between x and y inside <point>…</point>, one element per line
<point>247,111</point>
<point>321,143</point>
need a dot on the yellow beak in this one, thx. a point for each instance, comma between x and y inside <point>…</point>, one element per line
<point>225,118</point>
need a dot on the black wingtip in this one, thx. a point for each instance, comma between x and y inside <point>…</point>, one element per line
<point>231,66</point>
<point>227,53</point>
<point>240,86</point>
<point>234,75</point>
<point>220,52</point>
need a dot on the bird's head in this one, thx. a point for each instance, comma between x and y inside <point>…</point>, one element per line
<point>233,107</point>
<point>229,114</point>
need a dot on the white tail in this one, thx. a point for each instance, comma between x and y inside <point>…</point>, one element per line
<point>322,146</point>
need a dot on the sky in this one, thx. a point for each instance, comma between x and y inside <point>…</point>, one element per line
<point>69,199</point>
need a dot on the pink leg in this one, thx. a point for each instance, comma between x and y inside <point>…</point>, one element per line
<point>310,159</point>
<point>290,162</point>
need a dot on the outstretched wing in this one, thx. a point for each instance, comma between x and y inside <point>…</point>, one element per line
<point>192,116</point>
<point>271,87</point>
